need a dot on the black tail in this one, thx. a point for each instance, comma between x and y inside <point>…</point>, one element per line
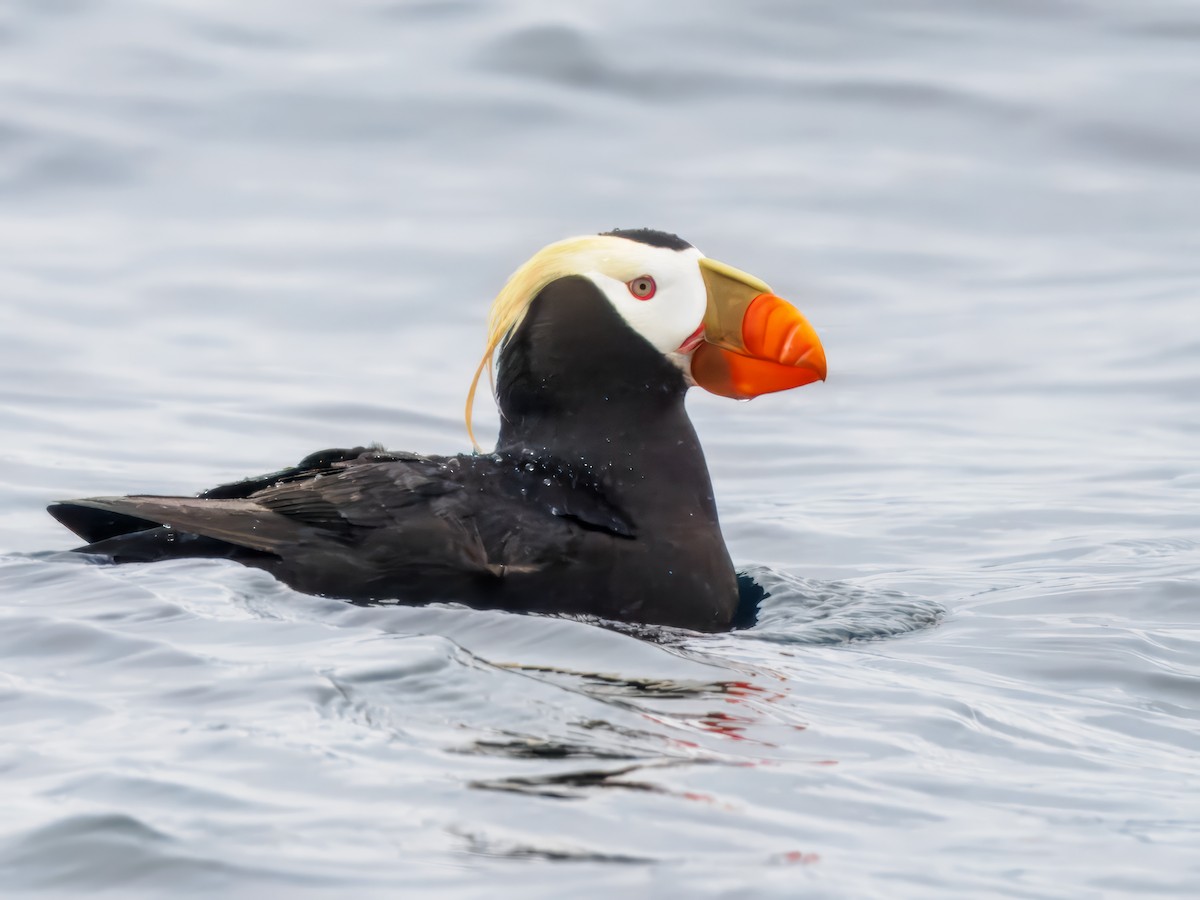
<point>125,538</point>
<point>93,524</point>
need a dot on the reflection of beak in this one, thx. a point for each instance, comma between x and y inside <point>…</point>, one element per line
<point>754,342</point>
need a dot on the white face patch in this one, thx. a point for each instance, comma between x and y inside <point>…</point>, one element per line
<point>677,307</point>
<point>661,293</point>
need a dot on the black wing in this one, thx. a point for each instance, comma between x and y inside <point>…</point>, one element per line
<point>352,498</point>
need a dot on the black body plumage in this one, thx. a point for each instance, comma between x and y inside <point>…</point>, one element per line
<point>596,501</point>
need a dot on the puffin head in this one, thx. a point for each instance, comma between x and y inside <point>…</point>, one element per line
<point>723,328</point>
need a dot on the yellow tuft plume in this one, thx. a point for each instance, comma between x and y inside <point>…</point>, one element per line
<point>573,256</point>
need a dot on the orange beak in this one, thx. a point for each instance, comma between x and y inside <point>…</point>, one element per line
<point>754,342</point>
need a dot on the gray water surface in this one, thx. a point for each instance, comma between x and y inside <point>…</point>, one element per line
<point>235,233</point>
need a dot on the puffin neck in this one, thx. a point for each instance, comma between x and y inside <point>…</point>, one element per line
<point>576,382</point>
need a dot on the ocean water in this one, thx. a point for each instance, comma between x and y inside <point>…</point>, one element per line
<point>235,233</point>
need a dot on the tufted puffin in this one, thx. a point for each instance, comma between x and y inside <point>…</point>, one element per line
<point>596,500</point>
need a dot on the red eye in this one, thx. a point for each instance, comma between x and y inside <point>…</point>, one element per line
<point>642,287</point>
